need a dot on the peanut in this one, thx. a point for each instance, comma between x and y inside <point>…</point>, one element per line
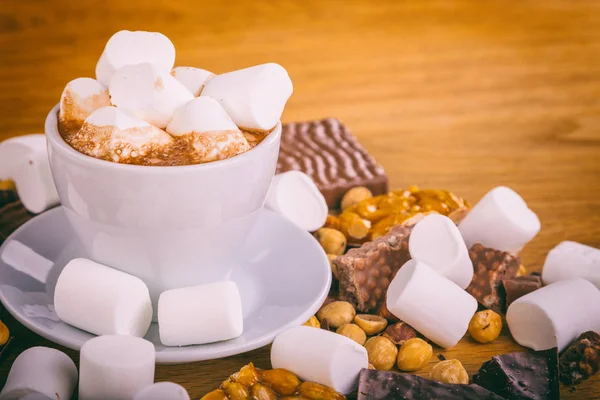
<point>262,392</point>
<point>485,326</point>
<point>313,322</point>
<point>337,313</point>
<point>450,371</point>
<point>414,354</point>
<point>281,381</point>
<point>316,391</point>
<point>371,324</point>
<point>382,352</point>
<point>353,332</point>
<point>4,333</point>
<point>247,376</point>
<point>236,391</point>
<point>217,394</point>
<point>333,267</point>
<point>332,240</point>
<point>355,196</point>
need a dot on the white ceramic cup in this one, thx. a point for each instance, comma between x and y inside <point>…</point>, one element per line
<point>170,226</point>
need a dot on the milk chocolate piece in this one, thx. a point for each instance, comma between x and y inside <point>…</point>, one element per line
<point>383,385</point>
<point>491,268</point>
<point>527,375</point>
<point>366,272</point>
<point>581,359</point>
<point>519,287</point>
<point>327,152</point>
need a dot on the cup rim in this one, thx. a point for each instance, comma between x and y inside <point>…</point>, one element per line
<point>52,135</point>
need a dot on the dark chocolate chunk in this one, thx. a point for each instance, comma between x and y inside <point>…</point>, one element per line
<point>327,152</point>
<point>519,287</point>
<point>12,213</point>
<point>526,375</point>
<point>581,359</point>
<point>382,385</point>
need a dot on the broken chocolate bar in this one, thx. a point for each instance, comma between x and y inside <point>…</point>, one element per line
<point>383,385</point>
<point>519,287</point>
<point>527,375</point>
<point>491,268</point>
<point>12,213</point>
<point>581,359</point>
<point>366,272</point>
<point>327,152</point>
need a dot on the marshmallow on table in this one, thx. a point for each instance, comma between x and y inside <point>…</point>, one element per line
<point>555,315</point>
<point>192,78</point>
<point>146,92</point>
<point>320,356</point>
<point>500,220</point>
<point>163,391</point>
<point>24,159</point>
<point>431,303</point>
<point>115,367</point>
<point>200,314</point>
<point>437,242</point>
<point>294,195</point>
<point>135,47</point>
<point>80,98</point>
<point>102,300</point>
<point>206,125</point>
<point>41,371</point>
<point>253,97</point>
<point>572,260</point>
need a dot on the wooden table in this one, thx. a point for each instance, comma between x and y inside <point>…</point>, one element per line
<point>463,95</point>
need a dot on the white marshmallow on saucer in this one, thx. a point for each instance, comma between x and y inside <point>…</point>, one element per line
<point>572,260</point>
<point>294,195</point>
<point>320,356</point>
<point>102,300</point>
<point>163,391</point>
<point>80,98</point>
<point>555,315</point>
<point>437,242</point>
<point>253,97</point>
<point>24,159</point>
<point>192,78</point>
<point>135,47</point>
<point>431,303</point>
<point>146,92</point>
<point>500,220</point>
<point>200,314</point>
<point>43,371</point>
<point>115,367</point>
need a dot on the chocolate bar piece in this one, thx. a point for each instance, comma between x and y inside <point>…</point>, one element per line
<point>327,152</point>
<point>491,268</point>
<point>382,385</point>
<point>527,375</point>
<point>519,287</point>
<point>581,359</point>
<point>366,272</point>
<point>12,213</point>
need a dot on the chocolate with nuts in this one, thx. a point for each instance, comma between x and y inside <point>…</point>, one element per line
<point>491,268</point>
<point>581,359</point>
<point>519,287</point>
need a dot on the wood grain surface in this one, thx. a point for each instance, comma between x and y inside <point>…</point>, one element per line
<point>462,95</point>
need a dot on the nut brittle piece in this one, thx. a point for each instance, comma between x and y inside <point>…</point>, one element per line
<point>581,359</point>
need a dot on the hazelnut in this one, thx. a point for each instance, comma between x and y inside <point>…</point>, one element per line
<point>450,371</point>
<point>353,332</point>
<point>355,196</point>
<point>4,333</point>
<point>399,333</point>
<point>371,324</point>
<point>337,313</point>
<point>522,270</point>
<point>332,240</point>
<point>414,354</point>
<point>382,352</point>
<point>485,326</point>
<point>313,322</point>
<point>280,380</point>
<point>262,392</point>
<point>333,267</point>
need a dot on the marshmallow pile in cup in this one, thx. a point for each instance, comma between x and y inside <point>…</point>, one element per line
<point>142,110</point>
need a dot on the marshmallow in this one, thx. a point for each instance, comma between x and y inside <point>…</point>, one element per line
<point>42,371</point>
<point>294,195</point>
<point>115,367</point>
<point>192,78</point>
<point>572,260</point>
<point>205,124</point>
<point>24,159</point>
<point>81,97</point>
<point>320,356</point>
<point>24,259</point>
<point>431,303</point>
<point>102,300</point>
<point>145,92</point>
<point>129,48</point>
<point>254,97</point>
<point>501,220</point>
<point>555,315</point>
<point>200,314</point>
<point>163,391</point>
<point>437,242</point>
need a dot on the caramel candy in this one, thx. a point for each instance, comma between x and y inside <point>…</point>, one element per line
<point>581,359</point>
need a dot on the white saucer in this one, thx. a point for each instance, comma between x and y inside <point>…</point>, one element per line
<point>284,280</point>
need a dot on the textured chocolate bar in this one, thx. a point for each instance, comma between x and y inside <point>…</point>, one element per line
<point>12,213</point>
<point>519,287</point>
<point>383,385</point>
<point>491,267</point>
<point>581,359</point>
<point>331,156</point>
<point>527,375</point>
<point>366,272</point>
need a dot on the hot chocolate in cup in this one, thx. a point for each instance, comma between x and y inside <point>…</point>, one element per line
<point>171,226</point>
